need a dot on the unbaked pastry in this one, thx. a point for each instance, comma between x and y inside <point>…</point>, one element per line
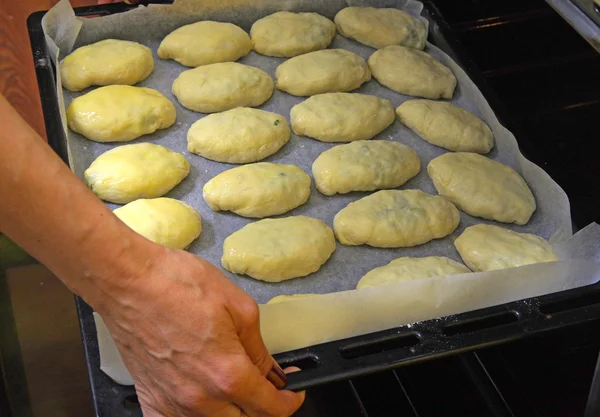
<point>446,125</point>
<point>107,62</point>
<point>258,190</point>
<point>218,87</point>
<point>143,170</point>
<point>341,117</point>
<point>238,136</point>
<point>485,247</point>
<point>166,221</point>
<point>395,219</point>
<point>408,269</point>
<point>327,71</point>
<point>364,166</point>
<point>275,250</point>
<point>119,113</point>
<point>287,34</point>
<point>482,187</point>
<point>204,43</point>
<point>379,28</point>
<point>412,72</point>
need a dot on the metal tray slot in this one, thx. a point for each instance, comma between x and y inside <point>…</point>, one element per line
<point>131,402</point>
<point>303,362</point>
<point>480,323</point>
<point>386,344</point>
<point>559,306</point>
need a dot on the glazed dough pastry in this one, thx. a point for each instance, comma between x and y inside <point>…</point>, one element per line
<point>284,298</point>
<point>204,43</point>
<point>446,125</point>
<point>129,172</point>
<point>412,72</point>
<point>484,247</point>
<point>286,34</point>
<point>238,136</point>
<point>275,250</point>
<point>169,222</point>
<point>482,187</point>
<point>395,219</point>
<point>379,28</point>
<point>341,117</point>
<point>218,87</point>
<point>408,269</point>
<point>364,166</point>
<point>107,62</point>
<point>258,190</point>
<point>324,71</point>
<point>119,113</point>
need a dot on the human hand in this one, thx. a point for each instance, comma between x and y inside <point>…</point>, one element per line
<point>191,340</point>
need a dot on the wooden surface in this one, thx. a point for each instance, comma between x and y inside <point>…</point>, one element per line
<point>50,344</point>
<point>17,74</point>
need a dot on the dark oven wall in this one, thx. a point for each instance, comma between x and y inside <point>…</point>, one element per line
<point>546,75</point>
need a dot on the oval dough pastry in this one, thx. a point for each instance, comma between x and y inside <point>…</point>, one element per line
<point>364,166</point>
<point>275,250</point>
<point>379,28</point>
<point>408,269</point>
<point>218,87</point>
<point>204,43</point>
<point>238,136</point>
<point>395,219</point>
<point>482,187</point>
<point>484,247</point>
<point>283,298</point>
<point>324,71</point>
<point>166,221</point>
<point>287,34</point>
<point>412,72</point>
<point>341,117</point>
<point>258,190</point>
<point>129,172</point>
<point>120,113</point>
<point>446,125</point>
<point>107,62</point>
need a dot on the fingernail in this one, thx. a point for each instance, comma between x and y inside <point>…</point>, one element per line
<point>277,377</point>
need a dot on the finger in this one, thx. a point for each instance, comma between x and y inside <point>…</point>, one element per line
<point>246,319</point>
<point>258,397</point>
<point>291,370</point>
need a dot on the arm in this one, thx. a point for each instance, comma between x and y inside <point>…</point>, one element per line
<point>189,336</point>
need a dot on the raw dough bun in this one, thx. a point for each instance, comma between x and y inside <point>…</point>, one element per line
<point>107,62</point>
<point>408,269</point>
<point>119,113</point>
<point>169,222</point>
<point>324,71</point>
<point>129,172</point>
<point>364,166</point>
<point>275,250</point>
<point>286,34</point>
<point>218,87</point>
<point>204,43</point>
<point>484,247</point>
<point>238,136</point>
<point>482,187</point>
<point>258,190</point>
<point>379,28</point>
<point>446,125</point>
<point>283,298</point>
<point>341,117</point>
<point>412,72</point>
<point>395,219</point>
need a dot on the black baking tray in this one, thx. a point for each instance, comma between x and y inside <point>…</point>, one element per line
<point>362,355</point>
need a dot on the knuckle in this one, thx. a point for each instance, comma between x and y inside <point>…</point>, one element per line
<point>229,381</point>
<point>250,312</point>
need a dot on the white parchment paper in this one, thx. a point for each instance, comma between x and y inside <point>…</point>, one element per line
<point>343,312</point>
